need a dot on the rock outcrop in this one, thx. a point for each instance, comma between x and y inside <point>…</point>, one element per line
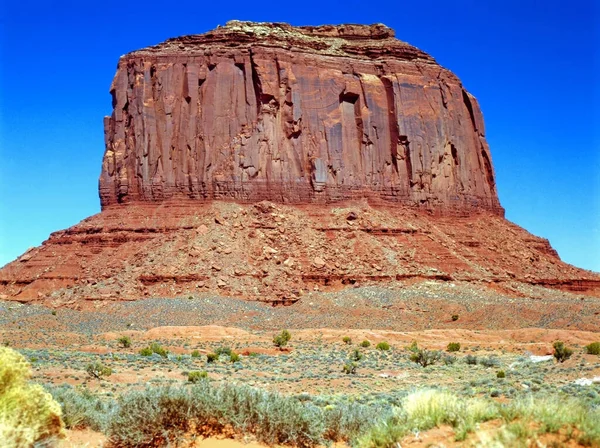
<point>255,111</point>
<point>332,145</point>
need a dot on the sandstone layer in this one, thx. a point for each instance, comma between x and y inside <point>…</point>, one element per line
<point>278,253</point>
<point>254,112</point>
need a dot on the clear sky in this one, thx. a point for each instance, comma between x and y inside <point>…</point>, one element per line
<point>533,65</point>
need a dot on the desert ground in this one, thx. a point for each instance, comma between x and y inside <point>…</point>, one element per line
<point>505,355</point>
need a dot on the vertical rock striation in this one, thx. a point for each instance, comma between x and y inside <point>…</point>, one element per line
<point>255,111</point>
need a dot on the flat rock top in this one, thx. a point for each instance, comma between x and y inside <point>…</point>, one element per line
<point>360,41</point>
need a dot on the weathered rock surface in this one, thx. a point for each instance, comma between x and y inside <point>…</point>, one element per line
<point>255,111</point>
<point>277,253</point>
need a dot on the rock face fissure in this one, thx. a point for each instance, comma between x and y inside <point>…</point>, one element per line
<point>255,111</point>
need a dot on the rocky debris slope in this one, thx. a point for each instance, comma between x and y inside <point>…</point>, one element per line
<point>267,111</point>
<point>278,253</point>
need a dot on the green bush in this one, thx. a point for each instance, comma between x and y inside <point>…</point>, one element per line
<point>212,357</point>
<point>384,346</point>
<point>197,375</point>
<point>347,340</point>
<point>155,347</point>
<point>454,317</point>
<point>593,348</point>
<point>500,374</point>
<point>234,357</point>
<point>146,351</point>
<point>223,351</point>
<point>125,341</point>
<point>425,357</point>
<point>561,352</point>
<point>282,339</point>
<point>28,414</point>
<point>356,355</point>
<point>453,346</point>
<point>413,347</point>
<point>349,368</point>
<point>98,370</point>
<point>195,354</point>
<point>365,344</point>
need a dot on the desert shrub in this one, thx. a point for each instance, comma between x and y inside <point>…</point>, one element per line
<point>162,416</point>
<point>347,340</point>
<point>453,346</point>
<point>425,357</point>
<point>234,357</point>
<point>349,368</point>
<point>413,347</point>
<point>195,354</point>
<point>593,348</point>
<point>82,408</point>
<point>561,352</point>
<point>449,360</point>
<point>125,341</point>
<point>197,375</point>
<point>282,339</point>
<point>97,370</point>
<point>383,345</point>
<point>500,374</point>
<point>223,351</point>
<point>489,361</point>
<point>211,357</point>
<point>155,347</point>
<point>365,344</point>
<point>53,312</point>
<point>471,360</point>
<point>159,349</point>
<point>28,414</point>
<point>454,317</point>
<point>356,355</point>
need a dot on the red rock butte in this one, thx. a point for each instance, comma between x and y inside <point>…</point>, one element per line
<point>314,114</point>
<point>263,161</point>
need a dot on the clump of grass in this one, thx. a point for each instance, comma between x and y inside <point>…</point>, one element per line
<point>197,375</point>
<point>234,357</point>
<point>212,357</point>
<point>453,347</point>
<point>195,354</point>
<point>500,374</point>
<point>593,348</point>
<point>383,346</point>
<point>561,352</point>
<point>124,341</point>
<point>281,340</point>
<point>98,370</point>
<point>365,344</point>
<point>28,414</point>
<point>347,340</point>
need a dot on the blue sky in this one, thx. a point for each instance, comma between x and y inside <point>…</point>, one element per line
<point>533,65</point>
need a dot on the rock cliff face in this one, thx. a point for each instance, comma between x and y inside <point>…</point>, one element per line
<point>294,114</point>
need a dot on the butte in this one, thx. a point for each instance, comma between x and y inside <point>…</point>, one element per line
<point>263,161</point>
